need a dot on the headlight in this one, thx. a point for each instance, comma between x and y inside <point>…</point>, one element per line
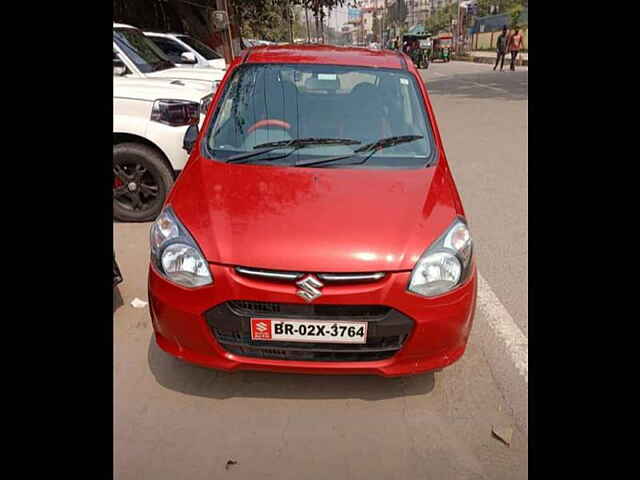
<point>205,102</point>
<point>175,112</point>
<point>444,265</point>
<point>175,254</point>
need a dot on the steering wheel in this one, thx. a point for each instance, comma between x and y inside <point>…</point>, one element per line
<point>269,122</point>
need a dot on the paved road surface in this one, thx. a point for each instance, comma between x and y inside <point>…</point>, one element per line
<point>174,420</point>
<point>482,117</point>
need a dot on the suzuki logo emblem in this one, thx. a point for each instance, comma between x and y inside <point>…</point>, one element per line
<point>309,286</point>
<point>261,327</point>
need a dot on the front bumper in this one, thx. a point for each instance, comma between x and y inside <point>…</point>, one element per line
<point>169,139</point>
<point>184,325</point>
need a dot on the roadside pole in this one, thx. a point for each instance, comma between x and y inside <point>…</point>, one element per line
<point>382,25</point>
<point>226,7</point>
<point>290,21</point>
<point>458,29</point>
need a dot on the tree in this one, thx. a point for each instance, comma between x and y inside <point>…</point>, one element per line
<point>375,26</point>
<point>514,13</point>
<point>442,18</point>
<point>398,13</point>
<point>502,6</point>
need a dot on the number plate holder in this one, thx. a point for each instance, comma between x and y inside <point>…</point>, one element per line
<point>310,331</point>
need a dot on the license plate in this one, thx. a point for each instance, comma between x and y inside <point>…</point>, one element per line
<point>286,330</point>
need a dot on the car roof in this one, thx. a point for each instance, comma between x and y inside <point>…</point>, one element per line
<point>165,34</point>
<point>325,54</point>
<point>122,25</point>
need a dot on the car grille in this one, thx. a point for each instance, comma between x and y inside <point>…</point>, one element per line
<point>318,312</point>
<point>387,330</point>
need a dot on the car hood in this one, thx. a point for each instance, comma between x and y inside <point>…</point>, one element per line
<point>312,219</point>
<point>205,76</point>
<point>153,89</point>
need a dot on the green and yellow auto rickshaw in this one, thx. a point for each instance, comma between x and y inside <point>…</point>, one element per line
<point>442,47</point>
<point>418,41</point>
<point>419,48</point>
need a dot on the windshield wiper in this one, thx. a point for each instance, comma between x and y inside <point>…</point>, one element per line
<point>388,142</point>
<point>310,141</point>
<point>370,147</point>
<point>294,144</point>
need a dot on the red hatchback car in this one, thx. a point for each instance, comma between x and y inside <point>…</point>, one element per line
<point>316,227</point>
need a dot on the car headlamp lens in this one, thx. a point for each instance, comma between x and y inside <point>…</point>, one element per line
<point>458,239</point>
<point>163,230</point>
<point>444,265</point>
<point>175,113</point>
<point>175,254</point>
<point>184,265</point>
<point>435,274</point>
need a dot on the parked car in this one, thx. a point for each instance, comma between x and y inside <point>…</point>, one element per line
<point>252,42</point>
<point>317,227</point>
<point>186,51</point>
<point>153,104</point>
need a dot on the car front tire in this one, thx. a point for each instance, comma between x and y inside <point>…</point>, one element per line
<point>142,180</point>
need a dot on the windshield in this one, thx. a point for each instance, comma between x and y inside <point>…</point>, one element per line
<point>200,47</point>
<point>172,49</point>
<point>265,103</point>
<point>146,56</point>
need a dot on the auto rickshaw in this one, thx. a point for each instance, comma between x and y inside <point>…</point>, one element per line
<point>442,48</point>
<point>421,53</point>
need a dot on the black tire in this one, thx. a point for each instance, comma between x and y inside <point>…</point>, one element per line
<point>142,180</point>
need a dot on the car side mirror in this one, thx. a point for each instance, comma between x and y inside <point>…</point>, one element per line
<point>188,57</point>
<point>190,137</point>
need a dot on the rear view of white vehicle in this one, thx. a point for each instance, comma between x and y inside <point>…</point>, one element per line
<point>186,51</point>
<point>153,105</point>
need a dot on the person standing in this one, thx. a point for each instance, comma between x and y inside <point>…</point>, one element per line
<point>515,44</point>
<point>501,48</point>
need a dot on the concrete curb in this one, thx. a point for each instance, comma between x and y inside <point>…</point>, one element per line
<point>506,350</point>
<point>519,62</point>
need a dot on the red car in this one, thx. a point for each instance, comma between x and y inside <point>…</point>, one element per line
<point>316,227</point>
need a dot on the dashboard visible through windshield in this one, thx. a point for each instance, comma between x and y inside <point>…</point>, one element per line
<point>313,112</point>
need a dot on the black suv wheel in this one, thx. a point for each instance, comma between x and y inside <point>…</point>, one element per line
<point>141,182</point>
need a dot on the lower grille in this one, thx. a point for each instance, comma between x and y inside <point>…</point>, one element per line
<point>387,330</point>
<point>318,312</point>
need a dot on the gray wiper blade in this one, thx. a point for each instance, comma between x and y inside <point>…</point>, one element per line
<point>388,142</point>
<point>241,156</point>
<point>295,144</point>
<point>371,148</point>
<point>310,141</point>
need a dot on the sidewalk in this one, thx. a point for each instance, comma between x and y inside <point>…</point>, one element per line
<point>490,57</point>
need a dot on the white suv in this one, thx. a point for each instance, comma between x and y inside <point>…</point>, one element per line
<point>186,51</point>
<point>153,104</point>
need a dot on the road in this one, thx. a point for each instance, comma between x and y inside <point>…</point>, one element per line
<point>173,420</point>
<point>482,116</point>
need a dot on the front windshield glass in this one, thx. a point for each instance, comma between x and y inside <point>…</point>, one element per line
<point>200,47</point>
<point>277,102</point>
<point>141,50</point>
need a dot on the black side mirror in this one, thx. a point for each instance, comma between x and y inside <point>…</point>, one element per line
<point>190,137</point>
